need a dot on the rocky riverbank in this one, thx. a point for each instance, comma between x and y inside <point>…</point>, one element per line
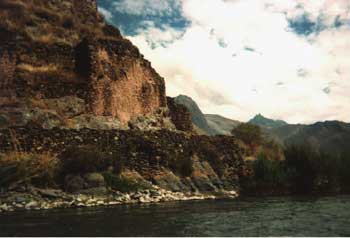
<point>114,167</point>
<point>42,199</point>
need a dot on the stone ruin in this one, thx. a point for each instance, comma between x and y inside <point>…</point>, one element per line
<point>64,51</point>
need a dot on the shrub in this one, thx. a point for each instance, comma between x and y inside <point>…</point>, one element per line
<point>118,166</point>
<point>303,171</point>
<point>269,171</point>
<point>302,163</point>
<point>311,171</point>
<point>248,133</point>
<point>85,159</point>
<point>210,152</point>
<point>123,184</point>
<point>343,172</point>
<point>20,167</point>
<point>182,166</point>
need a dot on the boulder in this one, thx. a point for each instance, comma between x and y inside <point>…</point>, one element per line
<point>69,106</point>
<point>95,122</point>
<point>94,180</point>
<point>74,183</point>
<point>89,184</point>
<point>204,177</point>
<point>31,205</point>
<point>169,181</point>
<point>50,193</point>
<point>160,119</point>
<point>47,119</point>
<point>97,191</point>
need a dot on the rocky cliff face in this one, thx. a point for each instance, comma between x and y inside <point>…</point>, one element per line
<point>63,51</point>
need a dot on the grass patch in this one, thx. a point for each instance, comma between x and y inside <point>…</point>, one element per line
<point>85,159</point>
<point>38,69</point>
<point>124,184</point>
<point>28,168</point>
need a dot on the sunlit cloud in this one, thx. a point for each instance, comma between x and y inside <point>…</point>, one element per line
<point>286,59</point>
<point>105,13</point>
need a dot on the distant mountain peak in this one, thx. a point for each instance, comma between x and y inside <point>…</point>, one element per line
<point>259,116</point>
<point>262,121</point>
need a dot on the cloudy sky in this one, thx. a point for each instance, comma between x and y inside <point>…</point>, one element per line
<point>286,59</point>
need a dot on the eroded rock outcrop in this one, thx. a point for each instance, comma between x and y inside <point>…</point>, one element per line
<point>62,48</point>
<point>180,116</point>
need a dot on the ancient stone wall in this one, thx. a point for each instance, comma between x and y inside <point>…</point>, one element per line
<point>7,70</point>
<point>144,151</point>
<point>48,72</point>
<point>63,48</point>
<point>180,115</point>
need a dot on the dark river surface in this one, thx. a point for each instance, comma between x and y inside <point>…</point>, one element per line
<point>278,216</point>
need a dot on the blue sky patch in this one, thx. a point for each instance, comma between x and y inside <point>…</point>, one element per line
<point>131,24</point>
<point>302,25</point>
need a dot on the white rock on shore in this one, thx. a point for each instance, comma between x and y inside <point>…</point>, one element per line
<point>148,196</point>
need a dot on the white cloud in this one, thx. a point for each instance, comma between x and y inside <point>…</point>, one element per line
<point>146,7</point>
<point>239,83</point>
<point>105,13</point>
<point>156,37</point>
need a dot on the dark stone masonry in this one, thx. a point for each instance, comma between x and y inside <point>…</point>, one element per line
<point>53,49</point>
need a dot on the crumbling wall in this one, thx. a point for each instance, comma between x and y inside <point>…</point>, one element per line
<point>63,48</point>
<point>147,152</point>
<point>7,71</point>
<point>180,116</point>
<point>123,84</point>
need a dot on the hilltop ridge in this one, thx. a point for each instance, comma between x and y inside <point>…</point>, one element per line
<point>262,121</point>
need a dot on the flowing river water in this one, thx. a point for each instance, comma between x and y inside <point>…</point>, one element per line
<point>277,216</point>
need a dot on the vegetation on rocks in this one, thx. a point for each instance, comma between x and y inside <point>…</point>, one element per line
<point>123,183</point>
<point>85,159</point>
<point>304,171</point>
<point>172,160</point>
<point>248,133</point>
<point>19,167</point>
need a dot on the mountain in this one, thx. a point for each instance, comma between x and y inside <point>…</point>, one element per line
<point>264,122</point>
<point>329,136</point>
<point>197,115</point>
<point>220,124</point>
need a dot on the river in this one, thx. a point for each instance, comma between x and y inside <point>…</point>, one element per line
<point>278,216</point>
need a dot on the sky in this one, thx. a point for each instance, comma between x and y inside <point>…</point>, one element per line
<point>285,59</point>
